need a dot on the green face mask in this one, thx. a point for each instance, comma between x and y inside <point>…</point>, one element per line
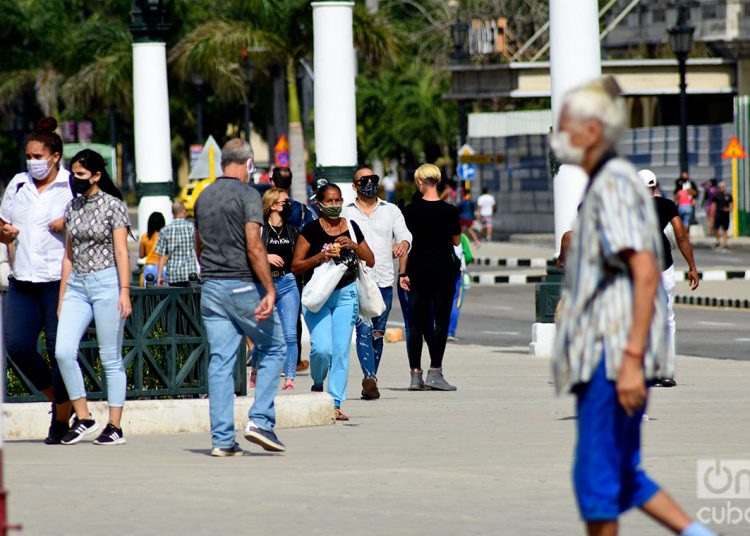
<point>330,211</point>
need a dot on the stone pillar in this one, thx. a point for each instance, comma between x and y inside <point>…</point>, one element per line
<point>153,151</point>
<point>335,105</point>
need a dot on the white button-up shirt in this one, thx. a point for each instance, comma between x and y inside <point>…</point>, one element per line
<point>384,226</point>
<point>39,252</point>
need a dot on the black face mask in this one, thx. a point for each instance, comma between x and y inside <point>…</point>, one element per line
<point>368,186</point>
<point>78,186</point>
<point>287,210</point>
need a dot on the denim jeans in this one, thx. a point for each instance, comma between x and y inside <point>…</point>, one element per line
<point>686,214</point>
<point>228,313</point>
<point>92,296</point>
<point>370,336</point>
<point>29,308</point>
<point>404,299</point>
<point>330,339</point>
<point>287,304</point>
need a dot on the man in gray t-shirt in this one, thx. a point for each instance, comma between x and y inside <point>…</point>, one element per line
<point>237,299</point>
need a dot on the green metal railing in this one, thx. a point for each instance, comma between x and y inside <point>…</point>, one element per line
<point>165,351</point>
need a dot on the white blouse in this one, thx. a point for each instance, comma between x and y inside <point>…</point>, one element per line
<point>39,252</point>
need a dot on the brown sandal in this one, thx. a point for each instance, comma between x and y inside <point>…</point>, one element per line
<point>340,415</point>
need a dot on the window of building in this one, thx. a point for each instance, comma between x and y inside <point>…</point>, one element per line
<point>658,16</point>
<point>713,10</point>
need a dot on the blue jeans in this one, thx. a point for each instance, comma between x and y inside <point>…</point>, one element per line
<point>330,339</point>
<point>686,214</point>
<point>29,308</point>
<point>92,296</point>
<point>287,304</point>
<point>370,337</point>
<point>228,312</point>
<point>458,301</point>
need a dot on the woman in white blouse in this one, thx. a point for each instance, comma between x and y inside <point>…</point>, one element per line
<point>31,218</point>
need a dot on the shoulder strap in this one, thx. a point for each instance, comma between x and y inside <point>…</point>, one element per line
<point>351,231</point>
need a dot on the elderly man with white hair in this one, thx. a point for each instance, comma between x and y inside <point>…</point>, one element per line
<point>668,215</point>
<point>612,329</point>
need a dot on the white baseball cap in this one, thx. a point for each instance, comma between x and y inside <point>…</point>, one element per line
<point>648,177</point>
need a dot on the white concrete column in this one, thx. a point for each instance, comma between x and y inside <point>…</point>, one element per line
<point>575,58</point>
<point>335,104</point>
<point>153,152</point>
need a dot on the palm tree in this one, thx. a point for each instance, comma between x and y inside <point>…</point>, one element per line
<point>274,31</point>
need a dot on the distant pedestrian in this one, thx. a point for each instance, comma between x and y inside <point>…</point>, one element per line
<point>466,213</point>
<point>385,232</point>
<point>95,286</point>
<point>684,198</point>
<point>449,194</point>
<point>612,329</point>
<point>462,283</point>
<point>176,248</point>
<point>329,238</point>
<point>486,205</point>
<point>710,189</point>
<point>237,300</point>
<point>31,221</point>
<point>431,272</point>
<point>666,213</point>
<point>147,247</point>
<point>723,205</point>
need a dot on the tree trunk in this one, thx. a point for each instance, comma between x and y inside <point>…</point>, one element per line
<point>296,136</point>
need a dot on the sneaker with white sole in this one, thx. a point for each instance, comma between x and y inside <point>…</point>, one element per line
<point>78,430</point>
<point>264,438</point>
<point>111,435</point>
<point>225,452</point>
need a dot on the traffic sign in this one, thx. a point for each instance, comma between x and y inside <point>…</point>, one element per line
<point>466,171</point>
<point>281,152</point>
<point>734,149</point>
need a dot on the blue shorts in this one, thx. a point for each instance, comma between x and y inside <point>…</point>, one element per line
<point>607,476</point>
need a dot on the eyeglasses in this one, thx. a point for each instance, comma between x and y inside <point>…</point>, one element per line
<point>366,179</point>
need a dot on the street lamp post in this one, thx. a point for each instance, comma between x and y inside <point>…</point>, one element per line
<point>459,33</point>
<point>250,70</point>
<point>681,42</point>
<point>199,93</point>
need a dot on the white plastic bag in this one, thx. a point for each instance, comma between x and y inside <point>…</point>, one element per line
<point>321,285</point>
<point>371,302</point>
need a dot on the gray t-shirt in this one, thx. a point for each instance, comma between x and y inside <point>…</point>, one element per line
<point>221,212</point>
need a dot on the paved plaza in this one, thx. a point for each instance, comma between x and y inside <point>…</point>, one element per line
<point>492,458</point>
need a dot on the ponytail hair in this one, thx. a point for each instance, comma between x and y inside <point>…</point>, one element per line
<point>93,162</point>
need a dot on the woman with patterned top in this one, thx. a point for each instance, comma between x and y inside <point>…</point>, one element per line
<point>95,286</point>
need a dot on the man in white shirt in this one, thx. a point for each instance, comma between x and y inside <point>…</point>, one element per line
<point>486,207</point>
<point>382,224</point>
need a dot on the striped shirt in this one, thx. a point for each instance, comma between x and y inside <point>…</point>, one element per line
<point>177,240</point>
<point>617,214</point>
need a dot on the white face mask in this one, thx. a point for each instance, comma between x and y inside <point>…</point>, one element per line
<point>564,151</point>
<point>38,168</point>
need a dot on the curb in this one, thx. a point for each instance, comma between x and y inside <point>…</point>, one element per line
<point>145,417</point>
<point>715,275</point>
<point>712,302</point>
<point>513,279</point>
<point>511,262</point>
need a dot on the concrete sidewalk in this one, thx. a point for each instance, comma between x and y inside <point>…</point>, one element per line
<point>492,458</point>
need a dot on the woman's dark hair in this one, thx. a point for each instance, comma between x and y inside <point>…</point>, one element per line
<point>93,162</point>
<point>155,224</point>
<point>46,135</point>
<point>323,188</point>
